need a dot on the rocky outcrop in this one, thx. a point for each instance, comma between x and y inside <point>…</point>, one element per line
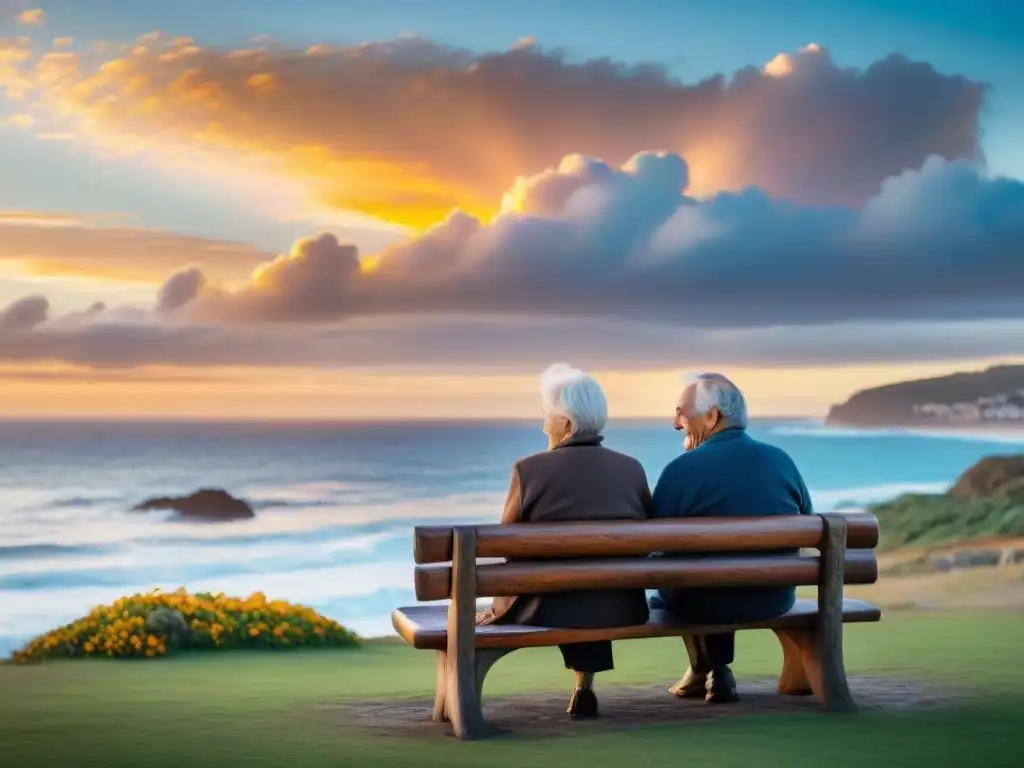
<point>991,477</point>
<point>992,396</point>
<point>212,504</point>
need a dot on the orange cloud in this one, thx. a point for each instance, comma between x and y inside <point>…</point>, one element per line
<point>52,245</point>
<point>32,16</point>
<point>21,121</point>
<point>407,130</point>
<point>14,52</point>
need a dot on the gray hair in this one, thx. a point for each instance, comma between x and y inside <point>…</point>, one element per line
<point>569,392</point>
<point>714,389</point>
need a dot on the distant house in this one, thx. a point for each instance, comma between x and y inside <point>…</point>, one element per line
<point>1002,407</point>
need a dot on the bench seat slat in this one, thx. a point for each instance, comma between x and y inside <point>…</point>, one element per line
<point>426,627</point>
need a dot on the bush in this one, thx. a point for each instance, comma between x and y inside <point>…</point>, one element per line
<point>921,520</point>
<point>150,625</point>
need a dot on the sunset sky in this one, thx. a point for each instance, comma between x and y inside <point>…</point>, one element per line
<point>390,209</point>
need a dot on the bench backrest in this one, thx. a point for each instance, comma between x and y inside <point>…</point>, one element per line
<point>615,555</point>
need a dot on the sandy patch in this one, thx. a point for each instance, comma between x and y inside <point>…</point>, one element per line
<point>622,707</point>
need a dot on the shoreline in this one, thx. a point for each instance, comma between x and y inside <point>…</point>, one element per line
<point>931,429</point>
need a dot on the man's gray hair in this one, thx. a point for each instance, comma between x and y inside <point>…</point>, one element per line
<point>714,389</point>
<point>569,392</point>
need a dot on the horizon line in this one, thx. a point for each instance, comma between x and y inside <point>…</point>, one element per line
<point>338,421</point>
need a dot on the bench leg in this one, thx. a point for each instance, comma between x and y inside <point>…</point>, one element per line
<point>441,693</point>
<point>811,665</point>
<point>794,680</point>
<point>485,659</point>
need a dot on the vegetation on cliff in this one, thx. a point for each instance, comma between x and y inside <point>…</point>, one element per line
<point>986,501</point>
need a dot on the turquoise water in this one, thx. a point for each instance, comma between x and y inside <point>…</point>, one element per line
<point>335,503</point>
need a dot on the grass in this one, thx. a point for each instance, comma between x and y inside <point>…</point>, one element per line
<point>256,708</point>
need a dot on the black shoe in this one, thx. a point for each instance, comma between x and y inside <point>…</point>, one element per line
<point>721,687</point>
<point>655,603</point>
<point>692,686</point>
<point>582,704</point>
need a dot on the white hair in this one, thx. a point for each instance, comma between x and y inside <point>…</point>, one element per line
<point>714,389</point>
<point>569,392</point>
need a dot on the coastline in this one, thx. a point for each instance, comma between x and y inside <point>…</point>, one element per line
<point>981,429</point>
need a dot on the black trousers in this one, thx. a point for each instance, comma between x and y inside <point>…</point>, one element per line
<point>724,606</point>
<point>589,658</point>
<point>713,651</point>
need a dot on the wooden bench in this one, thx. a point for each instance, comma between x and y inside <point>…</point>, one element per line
<point>550,557</point>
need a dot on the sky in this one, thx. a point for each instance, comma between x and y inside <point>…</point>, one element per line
<point>392,209</point>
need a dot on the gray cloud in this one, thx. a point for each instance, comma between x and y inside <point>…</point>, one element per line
<point>941,242</point>
<point>24,314</point>
<point>610,268</point>
<point>179,289</point>
<point>503,344</point>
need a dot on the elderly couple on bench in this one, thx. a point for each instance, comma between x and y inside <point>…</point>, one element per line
<point>722,472</point>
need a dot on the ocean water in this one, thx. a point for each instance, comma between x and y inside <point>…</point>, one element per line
<point>335,503</point>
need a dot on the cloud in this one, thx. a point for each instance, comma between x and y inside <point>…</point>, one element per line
<point>24,314</point>
<point>587,239</point>
<point>610,267</point>
<point>179,289</point>
<point>64,244</point>
<point>14,52</point>
<point>32,16</point>
<point>408,129</point>
<point>113,340</point>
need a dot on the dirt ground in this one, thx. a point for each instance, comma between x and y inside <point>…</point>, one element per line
<point>621,707</point>
<point>972,588</point>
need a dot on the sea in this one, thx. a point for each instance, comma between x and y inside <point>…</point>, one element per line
<point>336,503</point>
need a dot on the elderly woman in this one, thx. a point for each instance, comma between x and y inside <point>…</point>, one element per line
<point>575,479</point>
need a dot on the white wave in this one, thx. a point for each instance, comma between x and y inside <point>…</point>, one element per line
<point>820,430</point>
<point>311,492</point>
<point>183,557</point>
<point>98,527</point>
<point>28,613</point>
<point>365,628</point>
<point>860,496</point>
<point>34,499</point>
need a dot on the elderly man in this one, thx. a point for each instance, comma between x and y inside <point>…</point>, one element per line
<point>723,472</point>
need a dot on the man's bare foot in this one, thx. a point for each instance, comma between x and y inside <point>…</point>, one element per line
<point>692,686</point>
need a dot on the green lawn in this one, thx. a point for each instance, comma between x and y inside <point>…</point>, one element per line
<point>241,709</point>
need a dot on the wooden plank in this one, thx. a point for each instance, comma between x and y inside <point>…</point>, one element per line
<point>462,700</point>
<point>834,693</point>
<point>794,680</point>
<point>433,544</point>
<point>434,582</point>
<point>425,627</point>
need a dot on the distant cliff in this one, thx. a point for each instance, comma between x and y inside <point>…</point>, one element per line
<point>993,396</point>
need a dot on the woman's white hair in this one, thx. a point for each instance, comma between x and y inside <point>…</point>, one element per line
<point>714,389</point>
<point>569,392</point>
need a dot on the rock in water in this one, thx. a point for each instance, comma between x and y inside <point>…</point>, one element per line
<point>992,477</point>
<point>212,504</point>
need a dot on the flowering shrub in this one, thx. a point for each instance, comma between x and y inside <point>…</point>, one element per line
<point>153,624</point>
